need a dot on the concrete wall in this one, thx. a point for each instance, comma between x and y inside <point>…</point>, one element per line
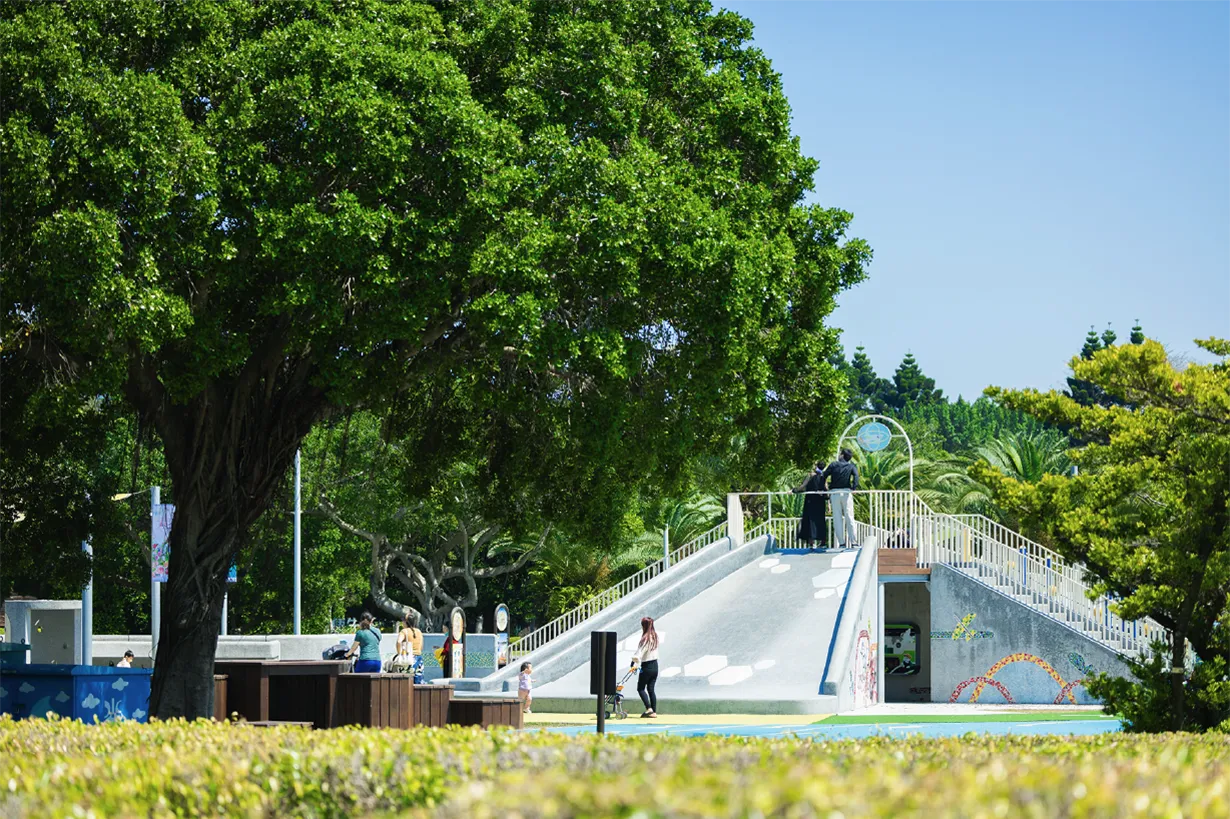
<point>910,603</point>
<point>987,647</point>
<point>853,666</point>
<point>480,649</point>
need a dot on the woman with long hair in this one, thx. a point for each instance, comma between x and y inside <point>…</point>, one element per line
<point>367,645</point>
<point>646,655</point>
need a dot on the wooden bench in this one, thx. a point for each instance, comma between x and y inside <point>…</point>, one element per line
<point>486,712</point>
<point>901,562</point>
<point>374,700</point>
<point>430,704</point>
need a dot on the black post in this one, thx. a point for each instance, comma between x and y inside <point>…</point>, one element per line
<point>602,682</point>
<point>602,645</point>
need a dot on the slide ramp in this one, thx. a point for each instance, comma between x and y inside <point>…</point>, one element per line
<point>757,641</point>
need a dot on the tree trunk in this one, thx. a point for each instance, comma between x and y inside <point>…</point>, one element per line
<point>1178,672</point>
<point>227,450</point>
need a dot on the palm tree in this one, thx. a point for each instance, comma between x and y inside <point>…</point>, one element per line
<point>1027,457</point>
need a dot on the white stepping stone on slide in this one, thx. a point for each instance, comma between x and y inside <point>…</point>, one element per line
<point>823,593</point>
<point>830,579</point>
<point>704,666</point>
<point>845,560</point>
<point>769,562</point>
<point>764,664</point>
<point>730,675</point>
<point>673,671</point>
<point>785,567</point>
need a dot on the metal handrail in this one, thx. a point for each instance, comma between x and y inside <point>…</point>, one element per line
<point>569,620</point>
<point>1038,577</point>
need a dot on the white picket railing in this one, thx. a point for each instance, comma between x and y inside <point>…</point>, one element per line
<point>539,637</point>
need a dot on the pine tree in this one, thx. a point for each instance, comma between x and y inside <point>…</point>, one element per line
<point>1083,392</point>
<point>910,386</point>
<point>1138,335</point>
<point>867,390</point>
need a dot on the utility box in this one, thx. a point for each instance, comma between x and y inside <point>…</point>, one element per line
<point>81,692</point>
<point>52,629</point>
<point>14,653</point>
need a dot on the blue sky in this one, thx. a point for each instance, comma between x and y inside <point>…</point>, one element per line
<point>1022,171</point>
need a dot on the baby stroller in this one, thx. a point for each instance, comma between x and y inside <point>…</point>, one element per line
<point>615,702</point>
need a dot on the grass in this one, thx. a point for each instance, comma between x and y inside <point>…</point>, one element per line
<point>59,768</point>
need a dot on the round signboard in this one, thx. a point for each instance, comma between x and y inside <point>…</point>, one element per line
<point>501,618</point>
<point>458,623</point>
<point>873,437</point>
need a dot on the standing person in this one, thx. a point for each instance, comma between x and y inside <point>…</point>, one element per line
<point>812,526</point>
<point>525,687</point>
<point>367,645</point>
<point>646,655</point>
<point>842,477</point>
<point>127,661</point>
<point>409,643</point>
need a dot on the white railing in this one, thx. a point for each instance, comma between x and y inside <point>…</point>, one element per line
<point>1006,560</point>
<point>569,620</point>
<point>1033,574</point>
<point>885,514</point>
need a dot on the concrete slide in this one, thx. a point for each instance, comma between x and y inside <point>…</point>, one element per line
<point>757,641</point>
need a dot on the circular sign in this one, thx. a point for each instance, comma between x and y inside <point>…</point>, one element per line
<point>459,623</point>
<point>873,437</point>
<point>501,617</point>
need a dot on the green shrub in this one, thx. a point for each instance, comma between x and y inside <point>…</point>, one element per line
<point>60,768</point>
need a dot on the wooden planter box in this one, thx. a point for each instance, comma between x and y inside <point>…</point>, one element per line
<point>430,705</point>
<point>486,712</point>
<point>286,691</point>
<point>220,712</point>
<point>374,700</point>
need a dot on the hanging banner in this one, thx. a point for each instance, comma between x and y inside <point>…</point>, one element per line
<point>160,540</point>
<point>501,635</point>
<point>233,575</point>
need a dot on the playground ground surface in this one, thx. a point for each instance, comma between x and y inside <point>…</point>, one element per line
<point>929,720</point>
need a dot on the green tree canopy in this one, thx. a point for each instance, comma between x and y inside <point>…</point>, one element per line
<point>1148,513</point>
<point>911,387</point>
<point>569,238</point>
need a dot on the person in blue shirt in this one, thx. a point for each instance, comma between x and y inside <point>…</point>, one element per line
<point>367,645</point>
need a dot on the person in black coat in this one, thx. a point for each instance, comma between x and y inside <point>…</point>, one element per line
<point>812,526</point>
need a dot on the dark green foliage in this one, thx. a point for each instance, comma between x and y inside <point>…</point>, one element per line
<point>911,387</point>
<point>962,425</point>
<point>1144,701</point>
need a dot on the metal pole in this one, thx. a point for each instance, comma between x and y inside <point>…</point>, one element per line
<point>880,652</point>
<point>155,589</point>
<point>666,547</point>
<point>298,546</point>
<point>87,610</point>
<point>224,607</point>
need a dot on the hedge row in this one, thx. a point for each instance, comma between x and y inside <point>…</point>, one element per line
<point>60,768</point>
